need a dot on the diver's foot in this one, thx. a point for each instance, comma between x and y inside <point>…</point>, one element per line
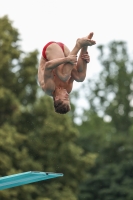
<point>86,41</point>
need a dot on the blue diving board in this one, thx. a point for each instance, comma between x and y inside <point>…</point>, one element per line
<point>25,178</point>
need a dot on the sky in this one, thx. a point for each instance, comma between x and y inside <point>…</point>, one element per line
<point>40,21</point>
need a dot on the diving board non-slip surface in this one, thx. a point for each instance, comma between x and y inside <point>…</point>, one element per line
<point>25,178</point>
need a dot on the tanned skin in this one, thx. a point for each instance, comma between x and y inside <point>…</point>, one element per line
<point>57,74</point>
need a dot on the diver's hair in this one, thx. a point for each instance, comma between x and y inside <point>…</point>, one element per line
<point>61,107</point>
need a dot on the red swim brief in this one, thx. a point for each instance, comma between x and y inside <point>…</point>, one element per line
<point>45,47</point>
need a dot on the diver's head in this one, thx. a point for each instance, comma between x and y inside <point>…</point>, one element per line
<point>61,101</point>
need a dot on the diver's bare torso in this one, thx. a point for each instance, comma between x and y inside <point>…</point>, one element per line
<point>60,84</point>
<point>55,81</point>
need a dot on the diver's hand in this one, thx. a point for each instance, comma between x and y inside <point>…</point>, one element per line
<point>72,59</point>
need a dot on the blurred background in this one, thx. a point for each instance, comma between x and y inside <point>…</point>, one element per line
<point>93,144</point>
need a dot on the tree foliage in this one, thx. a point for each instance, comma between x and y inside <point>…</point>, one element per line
<point>111,94</point>
<point>109,97</point>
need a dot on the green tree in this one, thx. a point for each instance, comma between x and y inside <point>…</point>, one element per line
<point>111,93</point>
<point>111,177</point>
<point>12,150</point>
<point>18,70</point>
<point>109,97</point>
